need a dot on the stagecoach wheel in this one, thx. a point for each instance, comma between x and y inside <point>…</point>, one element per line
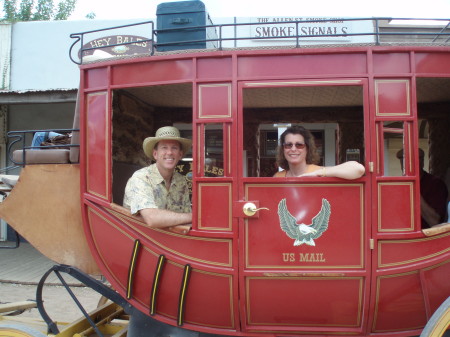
<point>17,330</point>
<point>439,322</point>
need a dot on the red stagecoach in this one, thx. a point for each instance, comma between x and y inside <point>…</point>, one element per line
<point>372,271</point>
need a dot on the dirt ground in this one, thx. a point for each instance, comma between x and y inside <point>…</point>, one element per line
<point>57,301</point>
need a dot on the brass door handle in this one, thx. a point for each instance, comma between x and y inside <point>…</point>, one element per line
<point>250,209</point>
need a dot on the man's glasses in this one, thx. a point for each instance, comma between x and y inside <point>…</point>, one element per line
<point>298,146</point>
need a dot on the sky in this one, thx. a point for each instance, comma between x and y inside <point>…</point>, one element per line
<point>146,9</point>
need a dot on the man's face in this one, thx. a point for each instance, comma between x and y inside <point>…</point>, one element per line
<point>167,154</point>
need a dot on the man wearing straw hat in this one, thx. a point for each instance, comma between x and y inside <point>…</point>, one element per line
<point>158,193</point>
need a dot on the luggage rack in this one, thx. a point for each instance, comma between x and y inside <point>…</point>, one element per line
<point>180,37</point>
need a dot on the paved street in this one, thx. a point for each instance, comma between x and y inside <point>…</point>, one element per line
<point>20,271</point>
<point>25,265</point>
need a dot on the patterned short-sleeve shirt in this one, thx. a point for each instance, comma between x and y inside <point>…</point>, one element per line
<point>146,189</point>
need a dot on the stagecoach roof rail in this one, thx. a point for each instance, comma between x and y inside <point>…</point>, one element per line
<point>382,28</point>
<point>441,31</point>
<point>375,21</point>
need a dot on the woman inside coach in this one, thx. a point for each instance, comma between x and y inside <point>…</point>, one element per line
<point>297,157</point>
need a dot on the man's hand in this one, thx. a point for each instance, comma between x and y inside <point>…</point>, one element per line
<point>180,229</point>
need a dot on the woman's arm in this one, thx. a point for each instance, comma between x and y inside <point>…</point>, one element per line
<point>348,170</point>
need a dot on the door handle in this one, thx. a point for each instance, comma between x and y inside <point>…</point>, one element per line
<point>250,209</point>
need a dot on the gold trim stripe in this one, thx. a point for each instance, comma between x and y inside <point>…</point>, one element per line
<point>382,243</point>
<point>201,225</point>
<point>360,299</point>
<point>158,272</point>
<point>136,249</point>
<point>201,156</point>
<point>363,247</point>
<point>94,212</point>
<point>200,98</point>
<point>106,116</point>
<point>409,147</point>
<point>378,154</point>
<point>229,149</point>
<point>377,103</point>
<point>135,225</point>
<point>377,300</point>
<point>184,284</point>
<point>285,83</point>
<point>411,201</point>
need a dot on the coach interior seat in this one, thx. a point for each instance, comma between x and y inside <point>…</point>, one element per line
<point>57,155</point>
<point>44,156</point>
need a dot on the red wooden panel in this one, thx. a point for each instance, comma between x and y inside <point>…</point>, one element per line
<point>148,72</point>
<point>216,252</point>
<point>209,296</point>
<point>391,63</point>
<point>301,301</point>
<point>400,304</point>
<point>213,215</point>
<point>208,68</point>
<point>401,252</point>
<point>395,207</point>
<point>169,290</point>
<point>209,300</point>
<point>214,100</point>
<point>145,269</point>
<point>438,286</point>
<point>97,145</point>
<point>340,246</point>
<point>299,65</point>
<point>96,77</point>
<point>433,63</point>
<point>392,98</point>
<point>113,262</point>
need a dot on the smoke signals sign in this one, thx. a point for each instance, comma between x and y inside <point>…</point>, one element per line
<point>310,30</point>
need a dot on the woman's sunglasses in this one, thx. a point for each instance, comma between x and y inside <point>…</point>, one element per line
<point>298,146</point>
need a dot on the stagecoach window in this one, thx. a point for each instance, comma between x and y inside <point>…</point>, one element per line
<point>333,114</point>
<point>137,113</point>
<point>394,158</point>
<point>213,165</point>
<point>433,130</point>
<point>433,127</point>
<point>434,142</point>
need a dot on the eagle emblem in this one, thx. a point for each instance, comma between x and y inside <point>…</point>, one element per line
<point>302,233</point>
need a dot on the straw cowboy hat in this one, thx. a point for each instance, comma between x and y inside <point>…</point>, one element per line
<point>165,133</point>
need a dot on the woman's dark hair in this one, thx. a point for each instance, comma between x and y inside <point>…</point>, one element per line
<point>311,157</point>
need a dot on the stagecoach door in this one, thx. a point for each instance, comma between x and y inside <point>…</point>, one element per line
<point>304,252</point>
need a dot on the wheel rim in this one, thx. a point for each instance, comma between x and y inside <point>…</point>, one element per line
<point>16,330</point>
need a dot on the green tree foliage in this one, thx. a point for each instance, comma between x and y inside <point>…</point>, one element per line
<point>9,7</point>
<point>26,8</point>
<point>40,11</point>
